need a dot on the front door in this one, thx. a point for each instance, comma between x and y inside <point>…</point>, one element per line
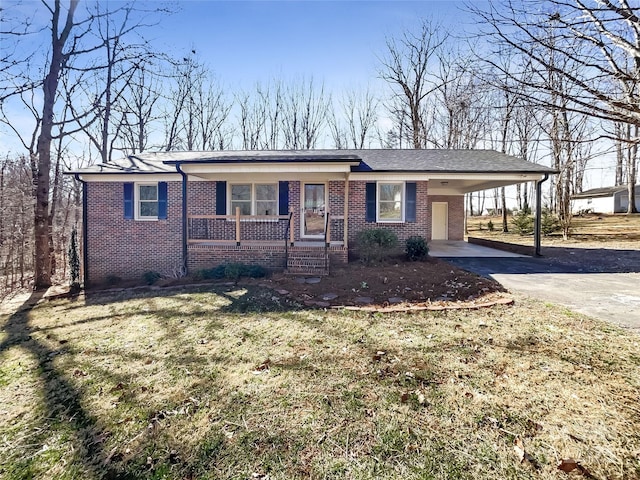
<point>439,221</point>
<point>313,210</point>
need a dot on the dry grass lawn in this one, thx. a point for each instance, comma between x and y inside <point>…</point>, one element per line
<point>618,231</point>
<point>188,384</point>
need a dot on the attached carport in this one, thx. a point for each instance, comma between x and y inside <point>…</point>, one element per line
<point>462,249</point>
<point>462,184</point>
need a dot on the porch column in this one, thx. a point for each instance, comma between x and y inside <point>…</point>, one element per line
<point>538,219</point>
<point>345,220</point>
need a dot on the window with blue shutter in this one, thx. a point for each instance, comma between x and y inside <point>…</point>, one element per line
<point>221,198</point>
<point>162,200</point>
<point>410,214</point>
<point>128,200</point>
<point>370,200</point>
<point>283,198</point>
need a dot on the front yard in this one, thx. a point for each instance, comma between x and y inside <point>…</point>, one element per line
<point>191,383</point>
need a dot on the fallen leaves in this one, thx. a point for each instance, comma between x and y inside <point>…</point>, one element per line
<point>568,465</point>
<point>264,366</point>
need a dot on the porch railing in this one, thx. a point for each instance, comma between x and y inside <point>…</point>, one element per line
<point>238,228</point>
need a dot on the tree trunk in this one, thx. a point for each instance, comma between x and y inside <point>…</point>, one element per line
<point>631,173</point>
<point>42,219</point>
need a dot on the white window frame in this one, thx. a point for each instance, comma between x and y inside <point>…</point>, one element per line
<point>253,198</point>
<point>137,200</point>
<point>403,199</point>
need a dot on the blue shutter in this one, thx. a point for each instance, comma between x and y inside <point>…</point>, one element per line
<point>410,204</point>
<point>128,200</point>
<point>162,200</point>
<point>283,198</point>
<point>370,200</point>
<point>221,198</point>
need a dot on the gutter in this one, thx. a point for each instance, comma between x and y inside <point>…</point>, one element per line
<point>538,221</point>
<point>185,251</point>
<point>85,256</point>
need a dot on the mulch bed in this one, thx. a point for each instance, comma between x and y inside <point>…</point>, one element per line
<point>397,285</point>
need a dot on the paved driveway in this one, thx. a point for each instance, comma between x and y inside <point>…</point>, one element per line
<point>597,282</point>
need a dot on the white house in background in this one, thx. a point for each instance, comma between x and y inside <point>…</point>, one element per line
<point>604,200</point>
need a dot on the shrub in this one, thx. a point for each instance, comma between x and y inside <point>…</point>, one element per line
<point>151,277</point>
<point>215,273</point>
<point>375,244</point>
<point>231,271</point>
<point>255,271</point>
<point>523,223</point>
<point>490,226</point>
<point>416,248</point>
<point>549,223</point>
<point>234,271</point>
<point>74,260</point>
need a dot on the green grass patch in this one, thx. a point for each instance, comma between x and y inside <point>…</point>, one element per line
<point>229,382</point>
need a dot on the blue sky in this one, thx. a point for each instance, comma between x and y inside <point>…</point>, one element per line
<point>334,41</point>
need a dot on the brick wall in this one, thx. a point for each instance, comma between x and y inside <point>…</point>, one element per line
<point>208,256</point>
<point>422,226</point>
<point>201,198</point>
<point>127,248</point>
<point>357,214</point>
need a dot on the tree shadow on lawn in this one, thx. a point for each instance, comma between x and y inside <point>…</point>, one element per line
<point>62,401</point>
<point>556,260</point>
<point>63,414</point>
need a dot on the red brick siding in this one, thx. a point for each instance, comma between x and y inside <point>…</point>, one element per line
<point>269,256</point>
<point>201,198</point>
<point>422,226</point>
<point>357,214</point>
<point>127,248</point>
<point>294,203</point>
<point>208,256</point>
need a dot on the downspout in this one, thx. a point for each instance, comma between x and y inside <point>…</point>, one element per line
<point>538,222</point>
<point>85,256</point>
<point>185,264</point>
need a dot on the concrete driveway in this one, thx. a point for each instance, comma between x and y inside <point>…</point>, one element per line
<point>601,283</point>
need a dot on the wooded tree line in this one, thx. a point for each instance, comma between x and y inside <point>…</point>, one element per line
<point>550,81</point>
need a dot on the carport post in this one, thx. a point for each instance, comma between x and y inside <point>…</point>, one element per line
<point>538,221</point>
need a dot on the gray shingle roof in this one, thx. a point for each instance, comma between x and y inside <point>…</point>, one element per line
<point>602,192</point>
<point>429,161</point>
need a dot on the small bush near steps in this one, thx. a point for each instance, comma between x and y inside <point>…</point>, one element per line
<point>232,271</point>
<point>416,248</point>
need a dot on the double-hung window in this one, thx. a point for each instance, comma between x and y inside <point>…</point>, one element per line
<point>390,202</point>
<point>145,200</point>
<point>147,204</point>
<point>254,198</point>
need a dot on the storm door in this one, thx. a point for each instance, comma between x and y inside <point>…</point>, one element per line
<point>313,210</point>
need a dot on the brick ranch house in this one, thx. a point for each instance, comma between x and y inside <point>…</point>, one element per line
<point>182,211</point>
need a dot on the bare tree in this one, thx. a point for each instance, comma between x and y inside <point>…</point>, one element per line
<point>408,66</point>
<point>304,114</point>
<point>70,56</point>
<point>353,120</point>
<point>592,48</point>
<point>138,109</point>
<point>196,109</point>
